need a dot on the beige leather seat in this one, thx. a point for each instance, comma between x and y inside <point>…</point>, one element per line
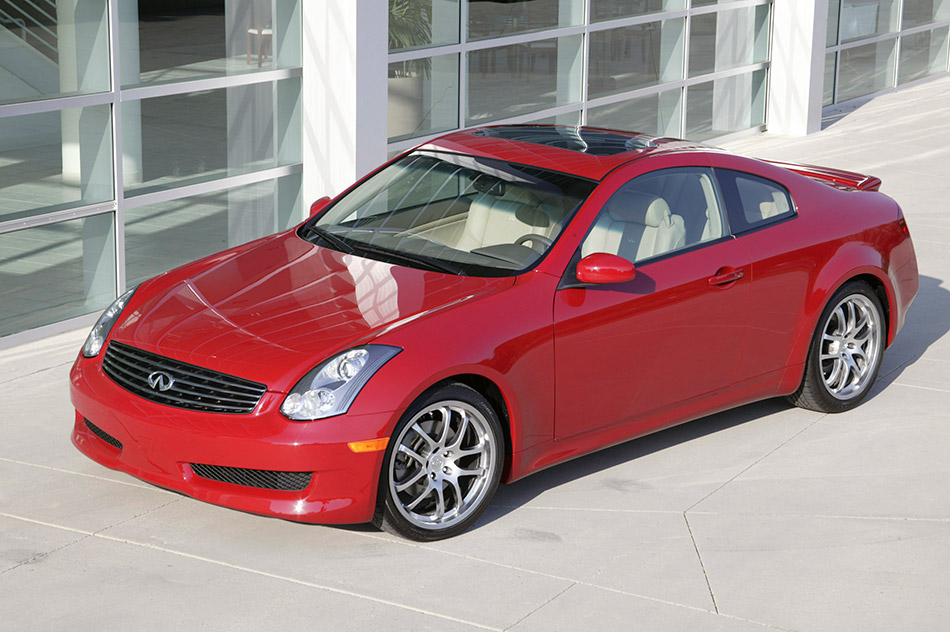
<point>494,221</point>
<point>636,226</point>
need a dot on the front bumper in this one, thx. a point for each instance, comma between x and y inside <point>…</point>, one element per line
<point>161,443</point>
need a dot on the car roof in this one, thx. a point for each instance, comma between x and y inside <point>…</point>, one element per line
<point>588,152</point>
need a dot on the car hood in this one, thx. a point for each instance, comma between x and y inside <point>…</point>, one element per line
<point>271,311</point>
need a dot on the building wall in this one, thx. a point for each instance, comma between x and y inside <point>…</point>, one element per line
<point>695,69</point>
<point>135,137</point>
<point>877,45</point>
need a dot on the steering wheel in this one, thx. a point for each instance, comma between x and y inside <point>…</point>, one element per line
<point>539,240</point>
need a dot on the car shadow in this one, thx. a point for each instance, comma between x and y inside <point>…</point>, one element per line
<point>928,321</point>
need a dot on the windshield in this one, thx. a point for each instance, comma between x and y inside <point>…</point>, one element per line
<point>453,213</point>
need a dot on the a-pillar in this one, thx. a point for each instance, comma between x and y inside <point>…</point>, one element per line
<point>345,47</point>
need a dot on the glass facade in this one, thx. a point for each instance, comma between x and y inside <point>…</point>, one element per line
<point>875,45</point>
<point>120,161</point>
<point>674,67</point>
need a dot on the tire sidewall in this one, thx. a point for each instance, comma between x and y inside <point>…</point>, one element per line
<point>389,516</point>
<point>830,402</point>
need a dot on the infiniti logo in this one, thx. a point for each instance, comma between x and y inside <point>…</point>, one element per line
<point>160,381</point>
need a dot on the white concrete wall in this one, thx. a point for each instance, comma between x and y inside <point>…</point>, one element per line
<point>345,47</point>
<point>798,62</point>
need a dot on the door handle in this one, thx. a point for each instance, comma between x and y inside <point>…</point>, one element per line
<point>726,276</point>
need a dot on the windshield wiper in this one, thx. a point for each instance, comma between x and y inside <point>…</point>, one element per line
<point>432,263</point>
<point>356,247</point>
<point>337,241</point>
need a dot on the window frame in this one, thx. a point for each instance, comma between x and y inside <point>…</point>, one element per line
<point>720,201</point>
<point>733,201</point>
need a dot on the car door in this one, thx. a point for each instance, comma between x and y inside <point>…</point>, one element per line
<point>762,215</point>
<point>674,331</point>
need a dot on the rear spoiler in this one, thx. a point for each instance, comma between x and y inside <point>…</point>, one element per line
<point>835,177</point>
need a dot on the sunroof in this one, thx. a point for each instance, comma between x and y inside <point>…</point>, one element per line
<point>587,141</point>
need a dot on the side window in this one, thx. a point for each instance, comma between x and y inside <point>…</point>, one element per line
<point>657,213</point>
<point>753,201</point>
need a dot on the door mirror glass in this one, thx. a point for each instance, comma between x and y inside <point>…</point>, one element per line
<point>319,205</point>
<point>601,267</point>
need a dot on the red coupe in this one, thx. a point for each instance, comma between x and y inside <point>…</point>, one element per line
<point>494,302</point>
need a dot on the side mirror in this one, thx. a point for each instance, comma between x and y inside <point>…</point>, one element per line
<point>600,267</point>
<point>319,205</point>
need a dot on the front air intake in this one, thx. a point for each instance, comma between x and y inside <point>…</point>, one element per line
<point>261,479</point>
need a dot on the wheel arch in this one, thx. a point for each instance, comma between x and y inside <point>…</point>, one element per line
<point>833,278</point>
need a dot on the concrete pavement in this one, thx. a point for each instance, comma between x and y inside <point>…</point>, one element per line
<point>765,517</point>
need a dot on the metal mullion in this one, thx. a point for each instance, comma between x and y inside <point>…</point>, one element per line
<point>864,41</point>
<point>212,186</point>
<point>924,27</point>
<point>118,182</point>
<point>409,143</point>
<point>55,104</point>
<point>684,91</point>
<point>463,65</point>
<point>638,20</point>
<point>735,4</point>
<point>620,97</point>
<point>897,47</point>
<point>585,62</point>
<point>56,217</point>
<point>138,93</point>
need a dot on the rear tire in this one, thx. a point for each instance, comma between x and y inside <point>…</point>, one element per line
<point>845,353</point>
<point>442,466</point>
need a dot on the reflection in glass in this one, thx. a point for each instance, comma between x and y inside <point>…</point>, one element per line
<point>657,114</point>
<point>159,237</point>
<point>866,18</point>
<point>866,69</point>
<point>53,49</point>
<point>521,78</point>
<point>705,3</point>
<point>601,10</point>
<point>421,23</point>
<point>923,54</point>
<point>635,57</point>
<point>423,96</point>
<point>54,272</point>
<point>918,12</point>
<point>719,41</point>
<point>494,18</point>
<point>726,105</point>
<point>176,41</point>
<point>55,160</point>
<point>570,119</point>
<point>199,136</point>
<point>828,95</point>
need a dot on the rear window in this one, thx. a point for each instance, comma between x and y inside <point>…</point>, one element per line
<point>753,201</point>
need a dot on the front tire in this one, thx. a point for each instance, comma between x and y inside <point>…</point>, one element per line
<point>442,466</point>
<point>845,353</point>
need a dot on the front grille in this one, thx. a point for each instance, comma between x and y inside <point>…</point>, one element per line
<point>102,434</point>
<point>190,387</point>
<point>262,479</point>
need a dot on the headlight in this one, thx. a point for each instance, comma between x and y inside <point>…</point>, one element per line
<point>97,336</point>
<point>330,388</point>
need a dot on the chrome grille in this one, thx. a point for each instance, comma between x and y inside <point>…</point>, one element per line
<point>190,386</point>
<point>262,479</point>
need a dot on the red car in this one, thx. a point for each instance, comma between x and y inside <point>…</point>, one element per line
<point>494,302</point>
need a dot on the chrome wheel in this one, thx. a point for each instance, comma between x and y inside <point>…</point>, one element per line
<point>444,465</point>
<point>850,347</point>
